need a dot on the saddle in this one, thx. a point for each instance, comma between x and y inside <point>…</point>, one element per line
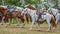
<point>39,14</point>
<point>11,9</point>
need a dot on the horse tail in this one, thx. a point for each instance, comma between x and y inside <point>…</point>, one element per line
<point>53,22</point>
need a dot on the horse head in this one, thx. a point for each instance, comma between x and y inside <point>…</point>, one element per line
<point>52,11</point>
<point>3,10</point>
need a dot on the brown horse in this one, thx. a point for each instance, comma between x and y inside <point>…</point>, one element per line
<point>4,12</point>
<point>14,14</point>
<point>20,18</point>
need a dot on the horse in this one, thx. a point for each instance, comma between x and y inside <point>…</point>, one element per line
<point>4,10</point>
<point>56,14</point>
<point>27,16</point>
<point>11,12</point>
<point>35,16</point>
<point>50,21</point>
<point>20,18</point>
<point>15,12</point>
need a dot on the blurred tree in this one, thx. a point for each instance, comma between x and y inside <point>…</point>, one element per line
<point>37,3</point>
<point>2,2</point>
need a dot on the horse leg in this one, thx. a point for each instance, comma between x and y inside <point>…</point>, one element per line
<point>29,19</point>
<point>33,21</point>
<point>9,21</point>
<point>53,23</point>
<point>18,21</point>
<point>22,20</point>
<point>48,22</point>
<point>57,18</point>
<point>8,24</point>
<point>2,21</point>
<point>32,25</point>
<point>38,26</point>
<point>49,26</point>
<point>0,18</point>
<point>23,24</point>
<point>12,20</point>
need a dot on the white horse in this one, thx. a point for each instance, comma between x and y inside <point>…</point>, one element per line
<point>55,13</point>
<point>33,15</point>
<point>48,18</point>
<point>34,18</point>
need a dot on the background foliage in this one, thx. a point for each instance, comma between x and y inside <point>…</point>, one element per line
<point>36,3</point>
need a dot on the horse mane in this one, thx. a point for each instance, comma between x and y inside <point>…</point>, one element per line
<point>31,7</point>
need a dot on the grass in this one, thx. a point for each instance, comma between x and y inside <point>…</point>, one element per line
<point>15,21</point>
<point>13,29</point>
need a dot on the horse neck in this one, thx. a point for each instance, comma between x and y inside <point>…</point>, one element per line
<point>4,12</point>
<point>54,12</point>
<point>30,7</point>
<point>1,10</point>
